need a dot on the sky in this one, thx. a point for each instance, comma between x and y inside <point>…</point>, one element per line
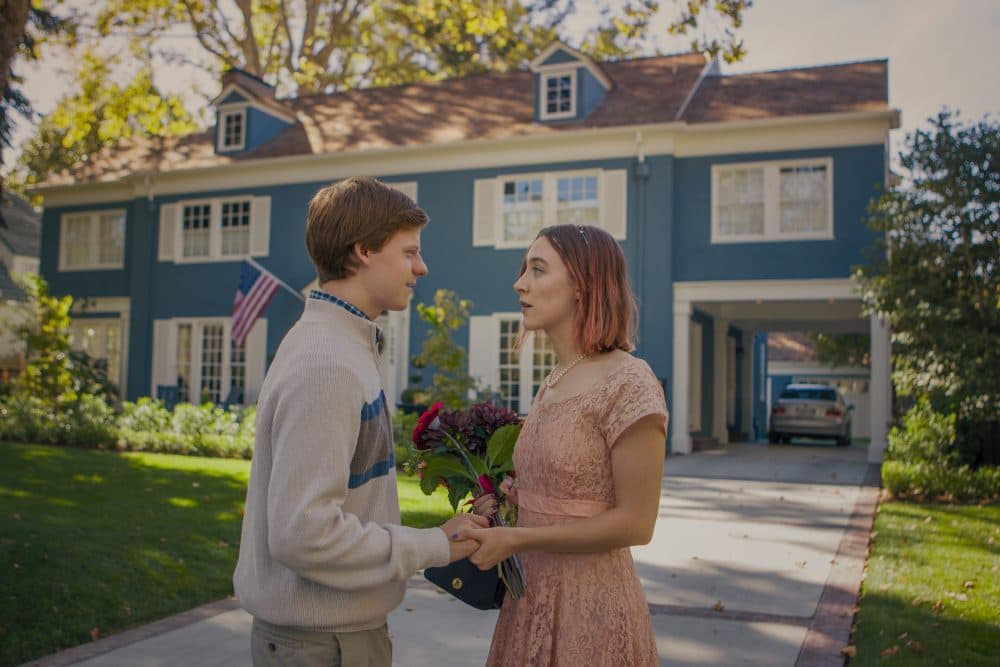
<point>940,52</point>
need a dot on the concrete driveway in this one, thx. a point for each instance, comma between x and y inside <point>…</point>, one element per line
<point>756,560</point>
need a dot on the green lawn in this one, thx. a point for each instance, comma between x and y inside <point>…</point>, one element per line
<point>95,542</point>
<point>932,592</point>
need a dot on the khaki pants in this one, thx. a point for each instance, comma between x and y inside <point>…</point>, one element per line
<point>277,646</point>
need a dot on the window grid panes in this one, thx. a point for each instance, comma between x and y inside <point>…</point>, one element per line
<point>576,201</point>
<point>101,339</point>
<point>212,342</point>
<point>238,368</point>
<point>803,198</point>
<point>77,240</point>
<point>543,358</point>
<point>232,129</point>
<point>523,209</point>
<point>236,227</point>
<point>111,238</point>
<point>184,340</point>
<point>510,365</point>
<point>196,223</point>
<point>741,201</point>
<point>559,94</point>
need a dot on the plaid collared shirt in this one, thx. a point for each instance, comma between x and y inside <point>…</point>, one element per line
<point>352,309</point>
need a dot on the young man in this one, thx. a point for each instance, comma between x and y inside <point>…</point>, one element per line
<point>323,557</point>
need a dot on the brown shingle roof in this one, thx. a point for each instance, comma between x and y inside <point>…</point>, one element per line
<point>861,86</point>
<point>495,106</point>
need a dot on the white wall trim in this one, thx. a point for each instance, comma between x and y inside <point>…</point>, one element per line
<point>109,304</point>
<point>765,290</point>
<point>538,147</point>
<point>554,72</point>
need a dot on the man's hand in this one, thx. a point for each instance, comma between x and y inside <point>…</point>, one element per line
<point>462,548</point>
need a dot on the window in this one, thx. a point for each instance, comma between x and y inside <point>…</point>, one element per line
<point>523,210</point>
<point>215,229</point>
<point>772,201</point>
<point>510,209</point>
<point>101,339</point>
<point>521,373</point>
<point>232,130</point>
<point>93,240</point>
<point>209,365</point>
<point>558,98</point>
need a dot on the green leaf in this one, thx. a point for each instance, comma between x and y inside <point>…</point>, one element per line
<point>428,483</point>
<point>446,466</point>
<point>500,448</point>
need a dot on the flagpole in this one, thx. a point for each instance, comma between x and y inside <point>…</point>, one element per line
<point>281,282</point>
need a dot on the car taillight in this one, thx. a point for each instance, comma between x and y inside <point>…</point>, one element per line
<point>778,410</point>
<point>833,412</point>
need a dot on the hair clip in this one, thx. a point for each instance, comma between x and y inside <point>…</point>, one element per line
<point>586,241</point>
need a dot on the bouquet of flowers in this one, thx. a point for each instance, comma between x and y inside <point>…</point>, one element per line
<point>471,451</point>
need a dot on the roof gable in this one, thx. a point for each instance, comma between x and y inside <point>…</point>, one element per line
<point>20,225</point>
<point>558,56</point>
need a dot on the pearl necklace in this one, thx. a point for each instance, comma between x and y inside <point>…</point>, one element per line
<point>555,376</point>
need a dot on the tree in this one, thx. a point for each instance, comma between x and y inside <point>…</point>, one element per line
<point>23,23</point>
<point>842,349</point>
<point>100,113</point>
<point>933,276</point>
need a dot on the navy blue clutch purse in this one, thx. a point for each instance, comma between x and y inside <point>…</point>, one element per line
<point>481,589</point>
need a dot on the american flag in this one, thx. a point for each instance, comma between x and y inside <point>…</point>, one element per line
<point>257,286</point>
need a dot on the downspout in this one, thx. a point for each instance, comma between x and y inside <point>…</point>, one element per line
<point>640,174</point>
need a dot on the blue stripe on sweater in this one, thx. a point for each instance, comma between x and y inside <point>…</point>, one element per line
<point>378,470</point>
<point>371,410</point>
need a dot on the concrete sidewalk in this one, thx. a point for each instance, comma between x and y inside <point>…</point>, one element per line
<point>756,560</point>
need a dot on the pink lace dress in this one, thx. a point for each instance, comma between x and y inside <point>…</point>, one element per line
<point>580,609</point>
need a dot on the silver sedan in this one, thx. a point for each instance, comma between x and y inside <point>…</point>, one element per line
<point>810,411</point>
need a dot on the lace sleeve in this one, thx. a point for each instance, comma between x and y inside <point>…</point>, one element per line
<point>636,394</point>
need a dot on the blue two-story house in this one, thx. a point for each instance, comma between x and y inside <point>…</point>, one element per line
<point>739,200</point>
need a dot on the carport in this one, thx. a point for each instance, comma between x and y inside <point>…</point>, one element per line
<point>749,308</point>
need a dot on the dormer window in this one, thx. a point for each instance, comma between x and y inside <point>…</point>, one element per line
<point>232,129</point>
<point>558,95</point>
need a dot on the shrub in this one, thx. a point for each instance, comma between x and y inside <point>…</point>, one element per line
<point>936,481</point>
<point>202,430</point>
<point>86,421</point>
<point>926,436</point>
<point>402,433</point>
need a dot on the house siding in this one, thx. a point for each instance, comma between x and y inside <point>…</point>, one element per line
<point>856,173</point>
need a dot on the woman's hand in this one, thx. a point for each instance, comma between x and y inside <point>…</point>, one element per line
<point>509,488</point>
<point>485,505</point>
<point>495,545</point>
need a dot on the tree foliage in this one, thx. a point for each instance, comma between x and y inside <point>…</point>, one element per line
<point>842,349</point>
<point>23,25</point>
<point>451,382</point>
<point>933,276</point>
<point>99,113</point>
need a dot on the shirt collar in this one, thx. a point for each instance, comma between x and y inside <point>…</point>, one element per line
<point>349,307</point>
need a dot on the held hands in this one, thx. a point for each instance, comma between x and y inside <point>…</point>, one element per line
<point>495,545</point>
<point>462,547</point>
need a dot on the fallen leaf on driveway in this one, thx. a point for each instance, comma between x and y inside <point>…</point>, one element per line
<point>718,606</point>
<point>915,646</point>
<point>95,634</point>
<point>892,650</point>
<point>849,651</point>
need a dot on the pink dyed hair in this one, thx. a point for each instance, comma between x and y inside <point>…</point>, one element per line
<point>608,314</point>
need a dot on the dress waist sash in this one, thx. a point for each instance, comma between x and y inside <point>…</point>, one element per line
<point>540,504</point>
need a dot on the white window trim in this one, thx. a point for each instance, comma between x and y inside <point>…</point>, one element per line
<point>526,357</point>
<point>543,79</point>
<point>550,200</point>
<point>197,327</point>
<point>93,240</point>
<point>214,230</point>
<point>772,222</point>
<point>231,110</point>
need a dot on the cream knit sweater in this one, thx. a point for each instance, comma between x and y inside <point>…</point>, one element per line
<point>322,547</point>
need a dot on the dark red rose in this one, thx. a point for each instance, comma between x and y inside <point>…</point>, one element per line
<point>423,423</point>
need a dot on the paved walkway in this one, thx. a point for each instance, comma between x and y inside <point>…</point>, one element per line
<point>756,561</point>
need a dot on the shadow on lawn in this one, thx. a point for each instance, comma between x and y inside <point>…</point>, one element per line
<point>95,542</point>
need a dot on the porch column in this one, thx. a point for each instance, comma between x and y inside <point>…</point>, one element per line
<point>746,375</point>
<point>680,389</point>
<point>880,389</point>
<point>719,378</point>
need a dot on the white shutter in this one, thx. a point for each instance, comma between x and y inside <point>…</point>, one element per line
<point>62,242</point>
<point>256,360</point>
<point>168,220</point>
<point>614,202</point>
<point>484,212</point>
<point>260,227</point>
<point>164,355</point>
<point>484,351</point>
<point>409,188</point>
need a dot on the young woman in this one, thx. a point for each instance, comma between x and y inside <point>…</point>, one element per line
<point>589,465</point>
